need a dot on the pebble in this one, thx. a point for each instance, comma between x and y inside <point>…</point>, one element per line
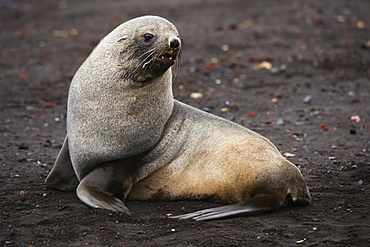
<point>360,182</point>
<point>225,48</point>
<point>23,146</point>
<point>47,143</point>
<point>263,65</point>
<point>329,89</point>
<point>196,95</point>
<point>307,99</point>
<point>280,121</point>
<point>315,113</point>
<point>341,18</point>
<point>356,118</point>
<point>274,70</point>
<point>218,81</point>
<point>278,69</point>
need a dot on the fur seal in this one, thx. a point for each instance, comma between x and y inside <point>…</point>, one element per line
<point>128,138</point>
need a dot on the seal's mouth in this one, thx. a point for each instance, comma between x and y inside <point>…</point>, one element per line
<point>167,58</point>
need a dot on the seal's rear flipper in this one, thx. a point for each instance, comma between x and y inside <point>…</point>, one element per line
<point>63,176</point>
<point>256,205</point>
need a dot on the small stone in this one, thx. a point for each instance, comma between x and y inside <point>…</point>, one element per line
<point>196,95</point>
<point>214,60</point>
<point>225,48</point>
<point>360,182</point>
<point>218,81</point>
<point>301,241</point>
<point>47,143</point>
<point>340,18</point>
<point>274,70</point>
<point>307,99</point>
<point>288,155</point>
<point>280,121</point>
<point>23,146</point>
<point>329,90</point>
<point>252,114</point>
<point>49,105</point>
<point>360,24</point>
<point>278,69</point>
<point>263,65</point>
<point>356,118</point>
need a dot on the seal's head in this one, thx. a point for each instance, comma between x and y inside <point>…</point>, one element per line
<point>148,47</point>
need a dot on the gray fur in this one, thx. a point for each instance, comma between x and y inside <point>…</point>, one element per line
<point>108,113</point>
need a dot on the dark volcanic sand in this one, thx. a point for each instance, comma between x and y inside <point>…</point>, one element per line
<point>326,50</point>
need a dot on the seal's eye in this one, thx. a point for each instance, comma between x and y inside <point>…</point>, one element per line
<point>148,37</point>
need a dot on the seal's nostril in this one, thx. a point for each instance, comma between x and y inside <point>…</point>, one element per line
<point>175,43</point>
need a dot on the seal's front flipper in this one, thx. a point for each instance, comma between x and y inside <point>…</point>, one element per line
<point>256,205</point>
<point>105,188</point>
<point>100,199</point>
<point>62,176</point>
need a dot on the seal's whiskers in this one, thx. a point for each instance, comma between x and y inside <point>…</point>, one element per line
<point>177,66</point>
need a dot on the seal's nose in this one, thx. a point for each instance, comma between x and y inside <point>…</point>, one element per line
<point>174,43</point>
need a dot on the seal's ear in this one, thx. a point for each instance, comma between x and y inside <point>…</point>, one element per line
<point>122,38</point>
